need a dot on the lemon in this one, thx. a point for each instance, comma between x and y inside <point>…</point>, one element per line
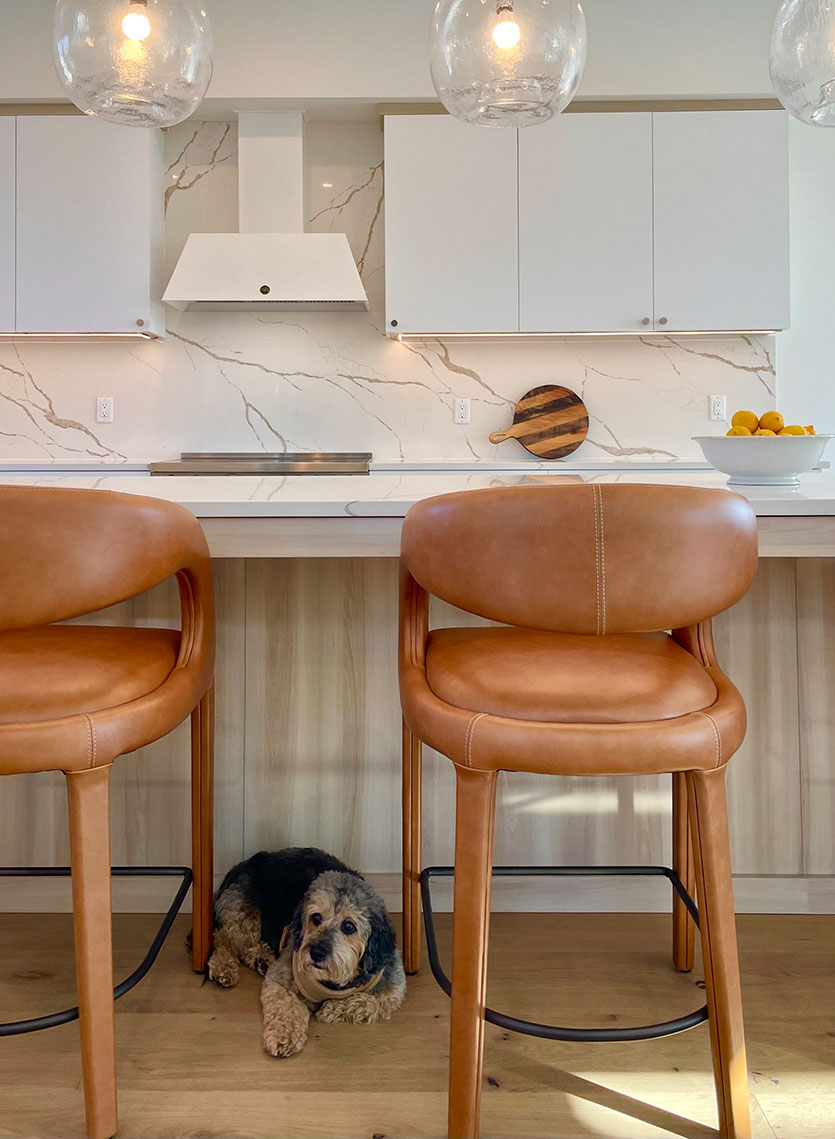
<point>793,429</point>
<point>746,419</point>
<point>764,431</point>
<point>772,421</point>
<point>739,429</point>
<point>810,430</point>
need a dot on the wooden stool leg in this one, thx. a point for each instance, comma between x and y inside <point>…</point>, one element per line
<point>412,788</point>
<point>88,794</point>
<point>202,823</point>
<point>708,817</point>
<point>474,826</point>
<point>684,928</point>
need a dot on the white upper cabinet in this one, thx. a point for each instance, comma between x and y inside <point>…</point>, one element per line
<point>721,220</point>
<point>633,222</point>
<point>7,222</point>
<point>451,218</point>
<point>89,227</point>
<point>585,224</point>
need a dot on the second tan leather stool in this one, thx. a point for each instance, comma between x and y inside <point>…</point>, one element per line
<point>583,679</point>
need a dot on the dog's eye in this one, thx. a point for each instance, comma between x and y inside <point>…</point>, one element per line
<point>348,928</point>
<point>316,919</point>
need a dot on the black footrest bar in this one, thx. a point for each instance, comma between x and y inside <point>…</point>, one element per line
<point>35,1024</point>
<point>551,1031</point>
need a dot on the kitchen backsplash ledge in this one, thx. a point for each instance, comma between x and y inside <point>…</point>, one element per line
<point>334,382</point>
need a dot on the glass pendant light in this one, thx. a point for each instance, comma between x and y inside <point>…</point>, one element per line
<point>803,60</point>
<point>144,63</point>
<point>509,63</point>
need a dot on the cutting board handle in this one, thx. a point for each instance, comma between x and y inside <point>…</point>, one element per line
<point>500,436</point>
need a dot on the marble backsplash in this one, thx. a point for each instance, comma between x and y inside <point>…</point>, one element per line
<point>311,381</point>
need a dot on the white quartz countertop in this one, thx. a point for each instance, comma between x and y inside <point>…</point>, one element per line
<point>389,495</point>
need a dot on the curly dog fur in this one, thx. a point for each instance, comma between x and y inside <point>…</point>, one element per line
<point>318,934</point>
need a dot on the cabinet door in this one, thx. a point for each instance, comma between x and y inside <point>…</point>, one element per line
<point>7,223</point>
<point>451,234</point>
<point>721,220</point>
<point>585,224</point>
<point>84,224</point>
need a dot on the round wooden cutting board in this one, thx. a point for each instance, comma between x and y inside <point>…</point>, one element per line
<point>550,422</point>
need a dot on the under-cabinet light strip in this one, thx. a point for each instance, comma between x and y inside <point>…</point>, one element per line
<point>49,336</point>
<point>588,335</point>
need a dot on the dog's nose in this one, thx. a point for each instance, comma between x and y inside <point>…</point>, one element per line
<point>318,953</point>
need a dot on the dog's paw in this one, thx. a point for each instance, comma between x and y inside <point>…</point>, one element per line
<point>285,1037</point>
<point>224,970</point>
<point>361,1008</point>
<point>285,1019</point>
<point>283,1041</point>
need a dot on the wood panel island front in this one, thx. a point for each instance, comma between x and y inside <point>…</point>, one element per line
<point>308,718</point>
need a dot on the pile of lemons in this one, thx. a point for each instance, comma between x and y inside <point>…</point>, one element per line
<point>772,423</point>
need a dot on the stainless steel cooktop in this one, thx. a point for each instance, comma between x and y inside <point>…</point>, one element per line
<point>242,463</point>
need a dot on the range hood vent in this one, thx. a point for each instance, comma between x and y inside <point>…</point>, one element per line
<point>271,264</point>
<point>219,271</point>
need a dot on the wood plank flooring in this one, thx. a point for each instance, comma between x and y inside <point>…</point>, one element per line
<point>191,1065</point>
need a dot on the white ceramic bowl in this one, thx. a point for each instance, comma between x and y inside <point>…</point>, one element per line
<point>767,460</point>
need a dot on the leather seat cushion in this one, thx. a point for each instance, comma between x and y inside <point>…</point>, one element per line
<point>526,674</point>
<point>62,670</point>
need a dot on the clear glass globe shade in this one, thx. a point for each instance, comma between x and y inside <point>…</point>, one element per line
<point>143,63</point>
<point>803,60</point>
<point>507,64</point>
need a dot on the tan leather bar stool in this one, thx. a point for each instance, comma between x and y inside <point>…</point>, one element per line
<point>73,698</point>
<point>583,679</point>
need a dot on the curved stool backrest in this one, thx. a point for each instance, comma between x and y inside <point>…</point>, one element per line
<point>64,552</point>
<point>585,558</point>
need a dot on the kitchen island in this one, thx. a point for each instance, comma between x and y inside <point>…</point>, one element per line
<point>308,722</point>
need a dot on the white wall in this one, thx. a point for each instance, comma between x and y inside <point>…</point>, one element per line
<point>376,49</point>
<point>806,354</point>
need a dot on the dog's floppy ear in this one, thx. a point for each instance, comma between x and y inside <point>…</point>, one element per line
<point>381,944</point>
<point>295,928</point>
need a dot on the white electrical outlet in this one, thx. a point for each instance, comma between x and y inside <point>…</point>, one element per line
<point>104,409</point>
<point>718,408</point>
<point>461,411</point>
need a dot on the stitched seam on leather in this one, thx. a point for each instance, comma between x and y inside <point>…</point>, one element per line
<point>599,490</point>
<point>468,739</point>
<point>715,727</point>
<point>91,740</point>
<point>596,554</point>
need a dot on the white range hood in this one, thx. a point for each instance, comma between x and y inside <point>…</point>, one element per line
<point>271,263</point>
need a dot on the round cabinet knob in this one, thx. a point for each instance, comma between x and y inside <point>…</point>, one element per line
<point>394,323</point>
<point>140,323</point>
<point>663,320</point>
<point>645,321</point>
<point>264,289</point>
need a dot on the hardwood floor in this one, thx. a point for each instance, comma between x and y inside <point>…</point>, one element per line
<point>191,1065</point>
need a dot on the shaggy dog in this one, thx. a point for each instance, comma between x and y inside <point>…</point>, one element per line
<point>319,935</point>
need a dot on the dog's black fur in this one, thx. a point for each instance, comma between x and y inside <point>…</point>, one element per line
<point>275,883</point>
